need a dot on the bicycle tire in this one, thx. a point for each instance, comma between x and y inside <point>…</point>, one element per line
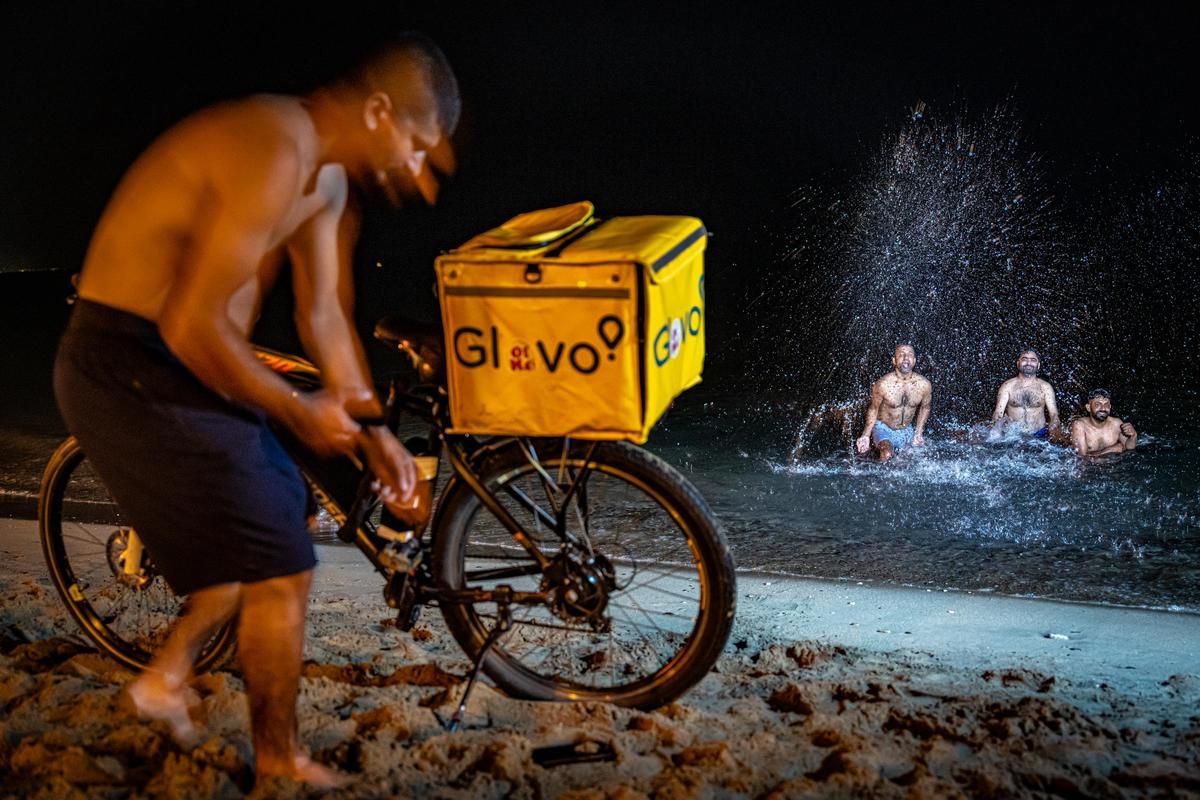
<point>73,505</point>
<point>632,470</point>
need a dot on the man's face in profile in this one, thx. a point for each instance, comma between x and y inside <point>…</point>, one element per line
<point>401,170</point>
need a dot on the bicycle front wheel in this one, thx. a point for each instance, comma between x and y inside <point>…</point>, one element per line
<point>639,579</point>
<point>88,543</point>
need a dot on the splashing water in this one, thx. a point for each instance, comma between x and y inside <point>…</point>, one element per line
<point>949,241</point>
<point>951,238</point>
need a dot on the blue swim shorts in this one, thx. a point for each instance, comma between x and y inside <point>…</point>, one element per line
<point>900,438</point>
<point>210,490</point>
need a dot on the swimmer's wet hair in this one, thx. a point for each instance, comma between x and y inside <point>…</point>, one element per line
<point>372,71</point>
<point>1094,393</point>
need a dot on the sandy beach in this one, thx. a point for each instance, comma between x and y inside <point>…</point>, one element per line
<point>827,689</point>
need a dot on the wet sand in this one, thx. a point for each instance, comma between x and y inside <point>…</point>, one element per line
<point>826,689</point>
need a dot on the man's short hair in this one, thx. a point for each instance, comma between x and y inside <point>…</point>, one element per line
<point>1036,354</point>
<point>373,71</point>
<point>903,344</point>
<point>1094,393</point>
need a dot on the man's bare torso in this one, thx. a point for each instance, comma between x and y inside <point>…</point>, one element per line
<point>1099,437</point>
<point>901,399</point>
<point>1026,402</point>
<point>170,197</point>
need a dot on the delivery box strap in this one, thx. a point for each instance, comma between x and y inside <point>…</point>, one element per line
<point>520,291</point>
<point>678,249</point>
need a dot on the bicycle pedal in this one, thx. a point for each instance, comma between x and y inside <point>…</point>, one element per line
<point>401,558</point>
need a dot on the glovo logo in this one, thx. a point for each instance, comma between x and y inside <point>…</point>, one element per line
<point>474,347</point>
<point>674,334</point>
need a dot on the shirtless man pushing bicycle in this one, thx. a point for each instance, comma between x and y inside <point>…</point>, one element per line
<point>156,378</point>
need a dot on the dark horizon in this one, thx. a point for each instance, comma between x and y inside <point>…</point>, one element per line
<point>675,109</point>
<point>720,113</point>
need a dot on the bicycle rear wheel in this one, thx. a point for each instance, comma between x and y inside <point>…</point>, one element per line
<point>86,539</point>
<point>644,587</point>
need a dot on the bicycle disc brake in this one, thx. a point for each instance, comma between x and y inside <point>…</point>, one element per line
<point>128,560</point>
<point>580,587</point>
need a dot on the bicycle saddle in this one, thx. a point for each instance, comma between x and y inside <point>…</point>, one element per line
<point>421,341</point>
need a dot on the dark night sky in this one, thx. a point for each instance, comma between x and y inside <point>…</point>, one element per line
<point>715,111</point>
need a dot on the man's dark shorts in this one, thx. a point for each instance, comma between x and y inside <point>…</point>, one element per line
<point>207,486</point>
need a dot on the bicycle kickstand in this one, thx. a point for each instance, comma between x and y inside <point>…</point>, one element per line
<point>503,624</point>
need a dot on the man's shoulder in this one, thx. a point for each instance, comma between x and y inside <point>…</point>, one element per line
<point>248,129</point>
<point>921,379</point>
<point>1045,384</point>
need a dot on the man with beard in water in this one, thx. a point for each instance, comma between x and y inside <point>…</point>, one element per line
<point>157,379</point>
<point>1024,402</point>
<point>1099,434</point>
<point>896,400</point>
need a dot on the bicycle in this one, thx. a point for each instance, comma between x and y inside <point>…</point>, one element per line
<point>598,572</point>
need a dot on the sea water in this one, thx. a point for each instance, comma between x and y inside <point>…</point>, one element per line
<point>1018,517</point>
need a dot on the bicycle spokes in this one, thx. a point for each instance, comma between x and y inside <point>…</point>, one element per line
<point>623,593</point>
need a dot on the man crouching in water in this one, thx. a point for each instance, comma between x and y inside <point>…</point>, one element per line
<point>157,379</point>
<point>896,399</point>
<point>1024,402</point>
<point>1099,434</point>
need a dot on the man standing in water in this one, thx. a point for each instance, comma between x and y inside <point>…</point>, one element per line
<point>896,399</point>
<point>1024,402</point>
<point>1099,434</point>
<point>157,379</point>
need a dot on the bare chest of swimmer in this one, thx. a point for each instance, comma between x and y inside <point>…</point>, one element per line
<point>902,396</point>
<point>1106,435</point>
<point>1027,397</point>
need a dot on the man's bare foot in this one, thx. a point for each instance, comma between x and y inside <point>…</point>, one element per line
<point>155,697</point>
<point>305,770</point>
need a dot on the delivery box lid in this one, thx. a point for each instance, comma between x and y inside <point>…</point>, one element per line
<point>656,242</point>
<point>534,230</point>
<point>571,234</point>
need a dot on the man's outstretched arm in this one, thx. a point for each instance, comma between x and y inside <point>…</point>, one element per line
<point>998,412</point>
<point>863,443</point>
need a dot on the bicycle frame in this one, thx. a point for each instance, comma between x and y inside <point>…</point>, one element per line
<point>428,404</point>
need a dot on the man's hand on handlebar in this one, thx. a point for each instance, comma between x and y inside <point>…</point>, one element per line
<point>393,467</point>
<point>390,462</point>
<point>328,422</point>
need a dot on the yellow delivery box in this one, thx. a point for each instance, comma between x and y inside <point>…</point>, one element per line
<point>559,324</point>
